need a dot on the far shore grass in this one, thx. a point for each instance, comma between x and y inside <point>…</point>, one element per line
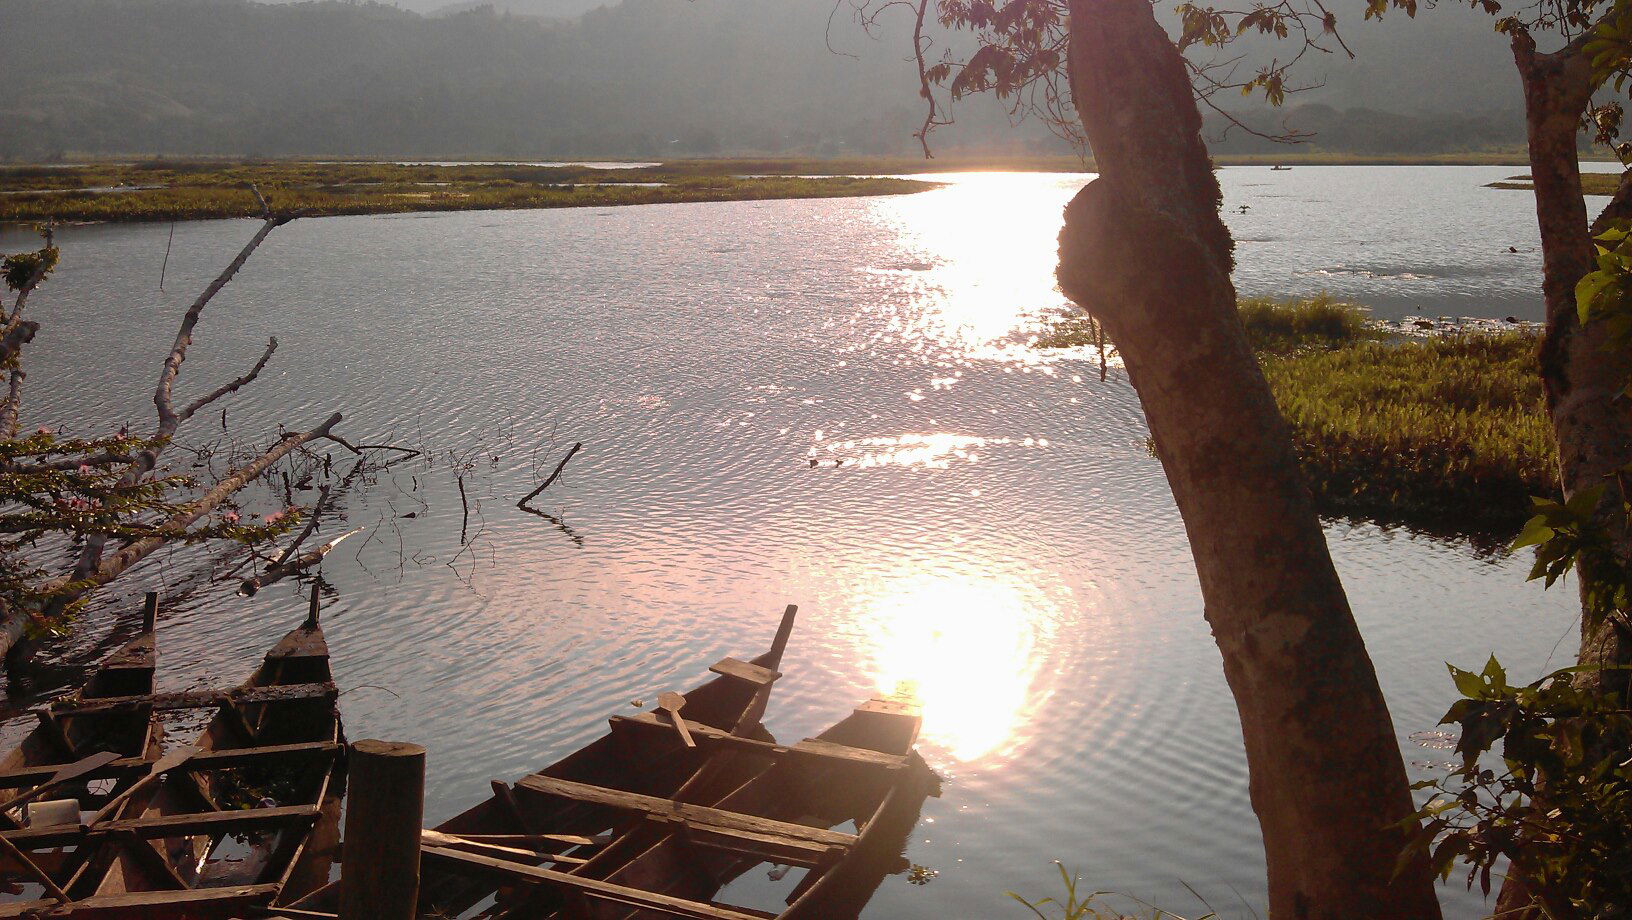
<point>158,190</point>
<point>1592,183</point>
<point>1446,434</point>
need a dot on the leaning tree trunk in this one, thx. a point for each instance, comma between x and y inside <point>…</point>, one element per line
<point>1145,251</point>
<point>1581,377</point>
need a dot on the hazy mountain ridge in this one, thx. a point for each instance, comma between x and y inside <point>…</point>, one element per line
<point>644,78</point>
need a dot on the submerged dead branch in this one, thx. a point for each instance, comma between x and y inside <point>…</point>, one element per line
<point>286,567</point>
<point>553,476</point>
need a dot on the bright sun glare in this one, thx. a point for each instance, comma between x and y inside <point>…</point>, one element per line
<point>967,649</point>
<point>990,243</point>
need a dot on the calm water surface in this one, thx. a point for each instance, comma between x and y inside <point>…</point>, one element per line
<point>829,403</point>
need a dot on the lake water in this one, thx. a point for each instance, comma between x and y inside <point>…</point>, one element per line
<point>982,522</point>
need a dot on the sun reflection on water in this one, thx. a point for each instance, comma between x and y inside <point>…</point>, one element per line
<point>983,252</point>
<point>933,451</point>
<point>968,649</point>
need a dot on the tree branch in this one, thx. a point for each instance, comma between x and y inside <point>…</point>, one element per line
<point>176,526</point>
<point>13,404</point>
<point>233,386</point>
<point>90,557</point>
<point>286,567</point>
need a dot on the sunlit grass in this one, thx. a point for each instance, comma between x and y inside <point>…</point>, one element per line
<point>1448,434</point>
<point>1285,326</point>
<point>1075,904</point>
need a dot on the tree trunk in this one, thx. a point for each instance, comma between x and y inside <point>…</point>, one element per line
<point>1145,251</point>
<point>1582,378</point>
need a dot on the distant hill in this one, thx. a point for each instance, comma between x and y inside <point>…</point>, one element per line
<point>641,78</point>
<point>543,9</point>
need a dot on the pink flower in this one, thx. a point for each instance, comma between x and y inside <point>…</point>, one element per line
<point>231,517</point>
<point>84,469</point>
<point>276,516</point>
<point>44,430</point>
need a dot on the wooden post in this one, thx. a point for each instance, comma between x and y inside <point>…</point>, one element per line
<point>150,611</point>
<point>385,805</point>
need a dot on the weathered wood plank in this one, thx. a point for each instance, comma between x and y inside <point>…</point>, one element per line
<point>811,747</point>
<point>743,670</point>
<point>142,903</point>
<point>302,643</point>
<point>204,760</point>
<point>890,707</point>
<point>209,822</point>
<point>683,811</point>
<point>595,888</point>
<point>196,699</point>
<point>770,847</point>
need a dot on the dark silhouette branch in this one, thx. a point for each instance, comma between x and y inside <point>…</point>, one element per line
<point>553,476</point>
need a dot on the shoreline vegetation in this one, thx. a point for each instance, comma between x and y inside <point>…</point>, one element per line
<point>161,190</point>
<point>1591,183</point>
<point>1444,431</point>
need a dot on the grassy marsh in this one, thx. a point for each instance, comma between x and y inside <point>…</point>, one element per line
<point>1592,183</point>
<point>1448,434</point>
<point>202,189</point>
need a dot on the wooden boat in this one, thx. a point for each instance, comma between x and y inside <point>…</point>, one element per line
<point>59,741</point>
<point>564,832</point>
<point>266,770</point>
<point>678,852</point>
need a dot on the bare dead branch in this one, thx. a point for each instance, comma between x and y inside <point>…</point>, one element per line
<point>233,386</point>
<point>558,468</point>
<point>90,556</point>
<point>311,525</point>
<point>16,335</point>
<point>287,567</point>
<point>162,394</point>
<point>12,406</point>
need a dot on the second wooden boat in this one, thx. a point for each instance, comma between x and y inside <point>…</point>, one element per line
<point>679,852</point>
<point>59,741</point>
<point>536,831</point>
<point>247,816</point>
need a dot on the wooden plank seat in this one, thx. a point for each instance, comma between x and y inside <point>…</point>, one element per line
<point>684,812</point>
<point>810,747</point>
<point>208,822</point>
<point>203,760</point>
<point>767,847</point>
<point>193,699</point>
<point>143,903</point>
<point>743,670</point>
<point>595,888</point>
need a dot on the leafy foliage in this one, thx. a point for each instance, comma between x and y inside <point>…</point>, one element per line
<point>1559,807</point>
<point>24,268</point>
<point>57,491</point>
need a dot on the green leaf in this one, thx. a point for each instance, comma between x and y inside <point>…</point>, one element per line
<point>1467,683</point>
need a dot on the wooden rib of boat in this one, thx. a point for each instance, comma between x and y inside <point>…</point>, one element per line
<point>58,741</point>
<point>680,851</point>
<point>250,818</point>
<point>564,832</point>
